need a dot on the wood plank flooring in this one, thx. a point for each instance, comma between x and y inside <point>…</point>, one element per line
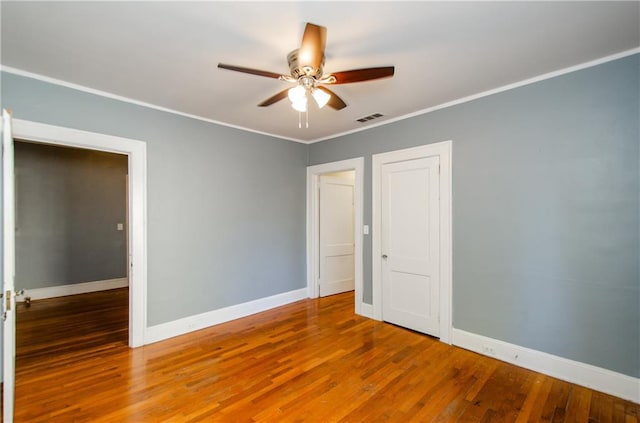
<point>313,360</point>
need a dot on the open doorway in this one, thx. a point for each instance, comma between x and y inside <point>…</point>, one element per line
<point>136,151</point>
<point>71,249</point>
<point>343,251</point>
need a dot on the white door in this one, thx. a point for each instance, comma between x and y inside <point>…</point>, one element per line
<point>410,244</point>
<point>337,265</point>
<point>8,262</point>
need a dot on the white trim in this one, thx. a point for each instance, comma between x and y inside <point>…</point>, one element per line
<point>137,153</point>
<point>313,182</point>
<point>366,310</point>
<point>487,93</point>
<point>9,266</point>
<point>200,321</point>
<point>73,289</point>
<point>93,91</point>
<point>583,374</point>
<point>472,97</point>
<point>443,150</point>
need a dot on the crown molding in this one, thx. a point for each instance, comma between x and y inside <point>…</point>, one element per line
<point>462,100</point>
<point>112,96</point>
<point>487,93</point>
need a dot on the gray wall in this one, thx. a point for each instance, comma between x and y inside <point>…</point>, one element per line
<point>68,204</point>
<point>545,211</point>
<point>225,208</point>
<point>545,206</point>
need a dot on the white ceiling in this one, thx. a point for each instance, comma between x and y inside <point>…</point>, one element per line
<point>166,53</point>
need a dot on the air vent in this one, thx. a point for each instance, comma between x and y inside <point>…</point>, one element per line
<point>370,117</point>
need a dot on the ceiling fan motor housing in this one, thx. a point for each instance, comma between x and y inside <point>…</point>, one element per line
<point>298,71</point>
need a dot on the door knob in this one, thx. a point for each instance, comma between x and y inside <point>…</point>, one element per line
<point>384,256</point>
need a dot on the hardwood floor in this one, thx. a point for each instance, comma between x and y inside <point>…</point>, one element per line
<point>313,360</point>
<point>66,328</point>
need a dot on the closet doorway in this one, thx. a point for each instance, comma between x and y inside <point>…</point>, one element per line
<point>339,249</point>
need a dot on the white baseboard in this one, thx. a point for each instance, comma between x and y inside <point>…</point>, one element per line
<point>73,289</point>
<point>583,374</point>
<point>200,321</point>
<point>366,310</point>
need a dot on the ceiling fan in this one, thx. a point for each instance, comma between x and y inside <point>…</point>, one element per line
<point>307,72</point>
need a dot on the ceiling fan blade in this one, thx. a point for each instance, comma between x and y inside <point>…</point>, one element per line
<point>250,71</point>
<point>311,51</point>
<point>361,75</point>
<point>334,102</point>
<point>281,95</point>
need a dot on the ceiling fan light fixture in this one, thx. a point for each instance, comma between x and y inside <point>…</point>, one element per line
<point>298,94</point>
<point>321,97</point>
<point>300,106</point>
<point>298,98</point>
<point>306,66</point>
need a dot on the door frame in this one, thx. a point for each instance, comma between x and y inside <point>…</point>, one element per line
<point>8,307</point>
<point>313,220</point>
<point>443,150</point>
<point>137,198</point>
